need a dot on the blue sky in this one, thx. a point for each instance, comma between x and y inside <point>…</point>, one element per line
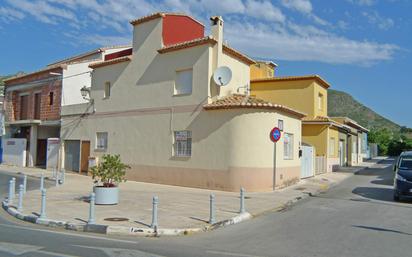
<point>362,47</point>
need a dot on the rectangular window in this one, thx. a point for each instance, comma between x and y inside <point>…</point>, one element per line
<point>24,107</point>
<point>183,143</point>
<point>183,83</point>
<point>280,125</point>
<point>107,88</point>
<point>288,146</point>
<point>320,102</point>
<point>51,98</point>
<point>101,140</point>
<point>37,104</point>
<point>332,145</point>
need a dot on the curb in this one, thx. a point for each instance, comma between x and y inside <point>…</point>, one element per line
<point>121,230</point>
<point>156,232</point>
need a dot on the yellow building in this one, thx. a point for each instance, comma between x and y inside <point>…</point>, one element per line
<point>262,69</point>
<point>309,95</point>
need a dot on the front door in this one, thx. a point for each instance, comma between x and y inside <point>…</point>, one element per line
<point>72,155</point>
<point>84,163</point>
<point>307,162</point>
<point>41,152</point>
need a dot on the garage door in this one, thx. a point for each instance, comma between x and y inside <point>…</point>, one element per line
<point>72,155</point>
<point>307,169</point>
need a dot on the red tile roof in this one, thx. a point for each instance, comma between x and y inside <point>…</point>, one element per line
<point>237,101</point>
<point>110,62</point>
<point>322,120</point>
<point>207,40</point>
<point>317,78</point>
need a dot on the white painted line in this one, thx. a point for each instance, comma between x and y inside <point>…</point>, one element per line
<point>232,254</point>
<point>69,234</point>
<point>54,254</point>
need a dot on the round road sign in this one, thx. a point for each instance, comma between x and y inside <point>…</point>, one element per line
<point>275,134</point>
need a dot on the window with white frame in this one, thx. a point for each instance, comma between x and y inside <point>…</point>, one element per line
<point>183,143</point>
<point>101,140</point>
<point>107,88</point>
<point>332,146</point>
<point>183,83</point>
<point>288,146</point>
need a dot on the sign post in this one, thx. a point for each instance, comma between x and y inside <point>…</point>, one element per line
<point>275,135</point>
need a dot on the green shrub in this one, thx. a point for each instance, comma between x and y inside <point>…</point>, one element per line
<point>110,171</point>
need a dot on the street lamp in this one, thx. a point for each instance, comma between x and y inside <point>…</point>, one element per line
<point>85,91</point>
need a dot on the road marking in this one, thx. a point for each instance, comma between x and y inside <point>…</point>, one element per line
<point>119,252</point>
<point>232,254</point>
<point>70,234</point>
<point>55,254</point>
<point>17,249</point>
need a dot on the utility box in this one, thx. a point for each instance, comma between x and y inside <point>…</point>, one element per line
<point>53,146</point>
<point>15,151</point>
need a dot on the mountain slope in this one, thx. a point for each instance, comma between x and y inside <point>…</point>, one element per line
<point>343,104</point>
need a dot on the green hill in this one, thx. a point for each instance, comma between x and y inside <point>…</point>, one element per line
<point>343,104</point>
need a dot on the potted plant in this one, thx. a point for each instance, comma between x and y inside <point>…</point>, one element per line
<point>107,175</point>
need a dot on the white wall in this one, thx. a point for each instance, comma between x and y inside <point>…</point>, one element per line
<point>73,82</point>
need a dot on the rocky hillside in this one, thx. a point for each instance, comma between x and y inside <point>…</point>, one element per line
<point>343,104</point>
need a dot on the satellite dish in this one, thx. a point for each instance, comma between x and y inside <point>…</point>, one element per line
<point>222,76</point>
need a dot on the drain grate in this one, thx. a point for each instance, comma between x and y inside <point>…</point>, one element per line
<point>116,219</point>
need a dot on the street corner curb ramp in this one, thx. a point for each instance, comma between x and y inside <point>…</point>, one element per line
<point>122,230</point>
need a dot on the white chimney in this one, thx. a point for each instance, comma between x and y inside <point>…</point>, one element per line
<point>217,34</point>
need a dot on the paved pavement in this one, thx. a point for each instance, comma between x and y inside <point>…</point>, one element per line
<point>355,218</point>
<point>179,207</point>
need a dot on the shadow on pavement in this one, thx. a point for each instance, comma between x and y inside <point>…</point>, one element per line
<point>383,180</point>
<point>381,229</point>
<point>376,193</point>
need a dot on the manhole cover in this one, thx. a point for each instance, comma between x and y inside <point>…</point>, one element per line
<point>116,219</point>
<point>300,188</point>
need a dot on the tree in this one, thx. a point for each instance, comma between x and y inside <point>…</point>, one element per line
<point>382,137</point>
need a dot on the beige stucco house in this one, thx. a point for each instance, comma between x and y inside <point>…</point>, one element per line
<point>161,110</point>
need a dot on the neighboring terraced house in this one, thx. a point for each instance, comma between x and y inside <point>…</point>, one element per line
<point>161,109</point>
<point>32,107</point>
<point>329,137</point>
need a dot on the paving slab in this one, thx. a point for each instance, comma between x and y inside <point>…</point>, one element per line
<point>179,207</point>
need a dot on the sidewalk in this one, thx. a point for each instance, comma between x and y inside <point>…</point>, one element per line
<point>179,207</point>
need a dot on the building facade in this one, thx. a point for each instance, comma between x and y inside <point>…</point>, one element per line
<point>161,109</point>
<point>33,103</point>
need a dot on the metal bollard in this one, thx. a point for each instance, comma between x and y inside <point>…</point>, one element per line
<point>43,204</point>
<point>154,224</point>
<point>57,182</point>
<point>11,195</point>
<point>63,175</point>
<point>14,186</point>
<point>25,184</point>
<point>21,193</point>
<point>242,201</point>
<point>212,218</point>
<point>42,182</point>
<point>92,219</point>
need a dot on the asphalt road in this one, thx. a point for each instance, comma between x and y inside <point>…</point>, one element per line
<point>356,218</point>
